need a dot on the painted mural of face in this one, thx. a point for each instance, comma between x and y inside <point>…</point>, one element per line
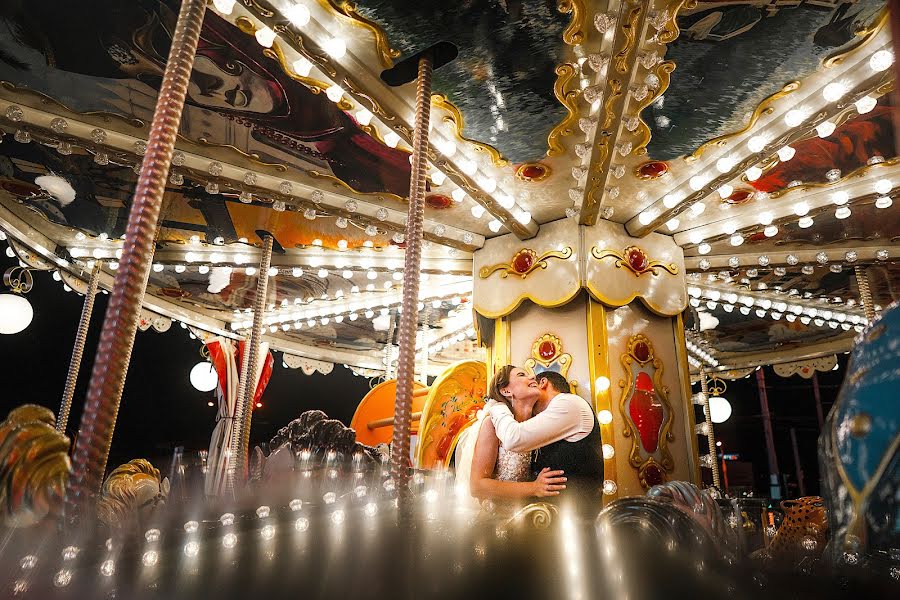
<point>242,90</point>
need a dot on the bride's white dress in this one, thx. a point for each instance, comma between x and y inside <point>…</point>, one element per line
<point>511,466</point>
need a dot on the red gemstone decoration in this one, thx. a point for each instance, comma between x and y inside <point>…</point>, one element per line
<point>739,196</point>
<point>438,201</point>
<point>522,262</point>
<point>653,475</point>
<point>646,412</point>
<point>547,350</point>
<point>653,169</point>
<point>533,171</point>
<point>637,260</point>
<point>642,351</point>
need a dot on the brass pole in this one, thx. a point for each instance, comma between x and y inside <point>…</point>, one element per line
<point>865,293</point>
<point>406,362</point>
<point>78,350</point>
<point>240,439</point>
<point>710,437</point>
<point>123,312</point>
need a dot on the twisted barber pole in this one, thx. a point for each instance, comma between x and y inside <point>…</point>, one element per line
<point>240,439</point>
<point>865,293</point>
<point>78,350</point>
<point>710,436</point>
<point>406,362</point>
<point>123,312</point>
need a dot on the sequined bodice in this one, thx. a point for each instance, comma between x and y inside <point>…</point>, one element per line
<point>513,466</point>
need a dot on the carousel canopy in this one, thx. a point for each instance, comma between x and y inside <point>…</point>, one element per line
<point>757,134</point>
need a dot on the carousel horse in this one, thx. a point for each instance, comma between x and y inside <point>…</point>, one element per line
<point>131,490</point>
<point>859,448</point>
<point>34,466</point>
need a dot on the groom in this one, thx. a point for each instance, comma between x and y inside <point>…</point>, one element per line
<point>565,434</point>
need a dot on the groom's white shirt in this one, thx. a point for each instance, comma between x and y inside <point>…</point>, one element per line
<point>567,417</point>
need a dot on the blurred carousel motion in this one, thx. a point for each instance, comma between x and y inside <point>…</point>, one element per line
<point>643,196</point>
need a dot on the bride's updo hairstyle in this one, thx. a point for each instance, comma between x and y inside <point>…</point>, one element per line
<point>500,381</point>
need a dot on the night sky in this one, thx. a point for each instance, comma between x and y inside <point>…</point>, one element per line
<point>161,410</point>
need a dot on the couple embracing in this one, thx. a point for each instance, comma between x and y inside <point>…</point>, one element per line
<point>534,440</point>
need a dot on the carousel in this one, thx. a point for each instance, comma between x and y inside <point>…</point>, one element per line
<point>647,197</point>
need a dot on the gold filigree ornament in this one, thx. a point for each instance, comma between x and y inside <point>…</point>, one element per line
<point>524,262</point>
<point>347,10</point>
<point>635,260</point>
<point>34,466</point>
<point>568,97</point>
<point>647,412</point>
<point>130,491</point>
<point>574,33</point>
<point>538,514</point>
<point>455,119</point>
<point>547,352</point>
<point>864,35</point>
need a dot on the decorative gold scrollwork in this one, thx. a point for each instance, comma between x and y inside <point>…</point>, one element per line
<point>547,351</point>
<point>18,280</point>
<point>629,31</point>
<point>574,33</point>
<point>565,73</point>
<point>455,118</point>
<point>347,10</point>
<point>524,262</point>
<point>635,260</point>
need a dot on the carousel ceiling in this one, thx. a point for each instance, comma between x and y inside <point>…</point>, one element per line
<point>758,133</point>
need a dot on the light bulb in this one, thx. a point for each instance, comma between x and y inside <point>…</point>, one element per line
<point>604,417</point>
<point>671,200</point>
<point>842,213</point>
<point>697,208</point>
<point>695,237</point>
<point>883,186</point>
<point>786,153</point>
<point>335,93</point>
<point>697,182</point>
<point>883,202</point>
<point>322,273</point>
<point>737,239</point>
<point>487,184</point>
<point>825,129</point>
<point>840,198</point>
<point>770,230</point>
<point>505,201</point>
<point>794,117</point>
<point>494,225</point>
<point>224,6</point>
<point>458,195</point>
<point>672,224</point>
<point>725,164</point>
<point>302,66</point>
<point>834,91</point>
<point>477,211</point>
<point>801,208</point>
<point>438,178</point>
<point>765,218</point>
<point>336,47</point>
<point>757,143</point>
<point>704,248</point>
<point>364,116</point>
<point>881,60</point>
<point>265,37</point>
<point>523,217</point>
<point>297,14</point>
<point>753,173</point>
<point>391,139</point>
<point>646,217</point>
<point>866,104</point>
<point>805,222</point>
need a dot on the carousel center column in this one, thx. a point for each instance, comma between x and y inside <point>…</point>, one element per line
<point>604,310</point>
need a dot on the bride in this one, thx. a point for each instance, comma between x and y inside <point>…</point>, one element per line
<point>489,472</point>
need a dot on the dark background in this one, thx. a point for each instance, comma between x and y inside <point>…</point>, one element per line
<point>161,410</point>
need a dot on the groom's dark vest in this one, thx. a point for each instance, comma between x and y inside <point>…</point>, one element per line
<point>582,462</point>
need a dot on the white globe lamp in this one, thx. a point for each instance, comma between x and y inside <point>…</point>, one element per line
<point>719,409</point>
<point>15,313</point>
<point>203,377</point>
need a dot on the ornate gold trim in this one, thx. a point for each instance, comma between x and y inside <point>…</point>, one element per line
<point>510,308</point>
<point>867,34</point>
<point>252,156</point>
<point>569,98</point>
<point>456,119</point>
<point>541,514</point>
<point>347,10</point>
<point>622,261</point>
<point>341,183</point>
<point>574,33</point>
<point>520,172</point>
<point>855,174</point>
<point>627,359</point>
<point>670,32</point>
<point>664,73</point>
<point>536,262</point>
<point>262,10</point>
<point>564,358</point>
<point>628,30</point>
<point>764,108</point>
<point>45,99</point>
<point>616,86</point>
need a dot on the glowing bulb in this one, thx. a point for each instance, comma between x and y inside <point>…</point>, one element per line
<point>834,91</point>
<point>523,217</point>
<point>842,213</point>
<point>302,66</point>
<point>458,195</point>
<point>335,93</point>
<point>883,202</point>
<point>883,186</point>
<point>391,139</point>
<point>737,239</point>
<point>297,14</point>
<point>840,198</point>
<point>608,451</point>
<point>785,154</point>
<point>866,104</point>
<point>505,201</point>
<point>265,37</point>
<point>725,164</point>
<point>805,222</point>
<point>224,6</point>
<point>487,184</point>
<point>364,116</point>
<point>725,191</point>
<point>605,417</point>
<point>881,60</point>
<point>336,47</point>
<point>704,248</point>
<point>671,200</point>
<point>697,182</point>
<point>794,117</point>
<point>801,208</point>
<point>494,225</point>
<point>477,211</point>
<point>323,273</point>
<point>697,208</point>
<point>438,178</point>
<point>770,230</point>
<point>765,218</point>
<point>825,129</point>
<point>757,143</point>
<point>672,224</point>
<point>753,173</point>
<point>645,217</point>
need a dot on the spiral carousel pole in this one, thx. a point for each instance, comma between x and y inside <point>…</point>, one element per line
<point>123,312</point>
<point>710,436</point>
<point>78,350</point>
<point>865,293</point>
<point>240,438</point>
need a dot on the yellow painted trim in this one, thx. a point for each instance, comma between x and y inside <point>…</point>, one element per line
<point>598,365</point>
<point>684,375</point>
<point>509,309</point>
<point>617,303</point>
